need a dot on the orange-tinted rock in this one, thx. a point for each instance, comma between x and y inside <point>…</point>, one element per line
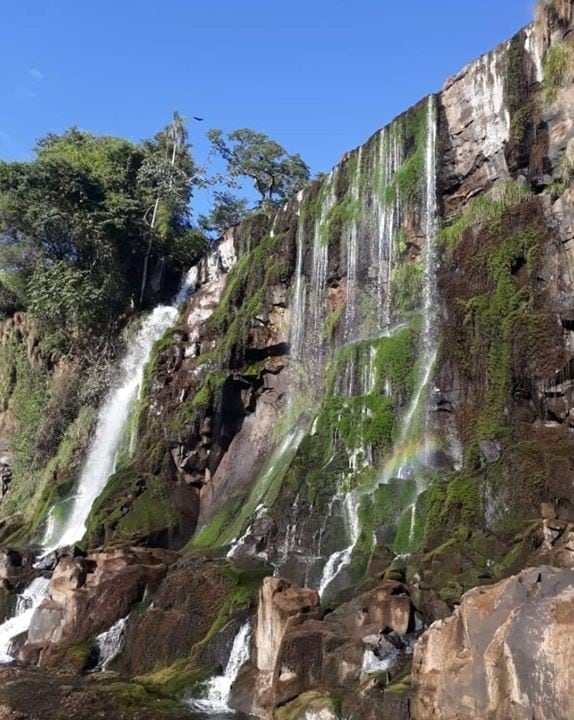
<point>505,654</point>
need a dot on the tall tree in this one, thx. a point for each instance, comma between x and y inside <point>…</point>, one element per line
<point>248,153</point>
<point>168,171</point>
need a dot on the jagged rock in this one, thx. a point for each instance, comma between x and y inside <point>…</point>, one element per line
<point>5,475</point>
<point>506,653</point>
<point>16,566</point>
<point>180,614</point>
<point>490,450</point>
<point>281,606</point>
<point>295,650</point>
<point>88,595</point>
<point>28,693</point>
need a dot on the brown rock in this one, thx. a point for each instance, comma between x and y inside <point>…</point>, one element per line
<point>88,595</point>
<point>505,654</point>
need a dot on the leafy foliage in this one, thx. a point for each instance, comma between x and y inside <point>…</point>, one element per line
<point>73,230</point>
<point>227,210</point>
<point>558,67</point>
<point>248,153</point>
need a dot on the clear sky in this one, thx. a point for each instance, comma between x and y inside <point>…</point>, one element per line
<point>319,76</point>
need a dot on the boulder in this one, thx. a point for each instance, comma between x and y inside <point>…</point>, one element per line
<point>505,654</point>
<point>16,566</point>
<point>180,614</point>
<point>87,595</point>
<point>297,650</point>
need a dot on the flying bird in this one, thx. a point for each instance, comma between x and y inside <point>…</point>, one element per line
<point>197,118</point>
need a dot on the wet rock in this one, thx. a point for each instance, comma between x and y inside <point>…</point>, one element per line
<point>296,650</point>
<point>28,693</point>
<point>87,595</point>
<point>179,614</point>
<point>506,653</point>
<point>16,566</point>
<point>5,475</point>
<point>490,451</point>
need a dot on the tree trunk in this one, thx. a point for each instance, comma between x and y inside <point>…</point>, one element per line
<point>148,252</point>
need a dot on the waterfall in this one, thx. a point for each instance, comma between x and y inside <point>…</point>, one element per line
<point>389,159</point>
<point>26,603</point>
<point>110,643</point>
<point>113,417</point>
<point>299,292</point>
<point>352,253</point>
<point>218,688</point>
<point>397,465</point>
<point>313,352</point>
<point>341,559</point>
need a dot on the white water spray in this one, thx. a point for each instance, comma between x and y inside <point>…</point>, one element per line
<point>112,419</point>
<point>100,461</point>
<point>429,347</point>
<point>341,559</point>
<point>26,603</point>
<point>110,643</point>
<point>219,687</point>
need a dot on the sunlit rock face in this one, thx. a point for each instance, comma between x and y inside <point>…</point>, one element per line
<point>88,595</point>
<point>363,414</point>
<point>506,652</point>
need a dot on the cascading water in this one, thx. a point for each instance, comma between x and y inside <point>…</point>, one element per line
<point>395,465</point>
<point>388,215</point>
<point>110,643</point>
<point>353,253</point>
<point>341,558</point>
<point>17,625</point>
<point>216,700</point>
<point>113,418</point>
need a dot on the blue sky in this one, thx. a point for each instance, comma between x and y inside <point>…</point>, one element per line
<point>319,76</point>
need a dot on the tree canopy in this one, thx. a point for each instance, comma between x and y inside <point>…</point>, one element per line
<point>276,174</point>
<point>75,228</point>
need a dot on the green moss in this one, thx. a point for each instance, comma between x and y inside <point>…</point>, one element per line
<point>408,178</point>
<point>558,68</point>
<point>344,212</point>
<point>150,510</point>
<point>135,696</point>
<point>483,209</point>
<point>230,522</point>
<point>210,535</point>
<point>186,676</point>
<point>518,91</point>
<point>332,322</point>
<point>76,657</point>
<point>406,287</point>
<point>312,703</point>
<point>453,502</point>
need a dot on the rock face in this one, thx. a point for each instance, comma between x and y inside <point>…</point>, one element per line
<point>296,649</point>
<point>505,654</point>
<point>180,613</point>
<point>297,421</point>
<point>88,595</point>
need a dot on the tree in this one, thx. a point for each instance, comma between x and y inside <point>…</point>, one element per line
<point>168,171</point>
<point>75,229</point>
<point>227,210</point>
<point>276,174</point>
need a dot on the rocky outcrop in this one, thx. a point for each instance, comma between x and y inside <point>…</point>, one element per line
<point>296,649</point>
<point>179,614</point>
<point>281,608</point>
<point>505,654</point>
<point>37,694</point>
<point>87,595</point>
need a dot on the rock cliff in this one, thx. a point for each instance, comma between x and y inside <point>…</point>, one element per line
<point>356,438</point>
